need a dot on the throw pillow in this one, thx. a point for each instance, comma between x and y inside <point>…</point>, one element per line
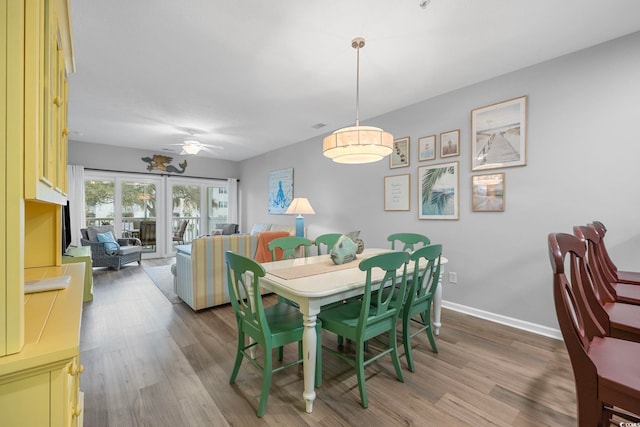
<point>109,242</point>
<point>259,228</point>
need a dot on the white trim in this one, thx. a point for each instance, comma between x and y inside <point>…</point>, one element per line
<point>504,320</point>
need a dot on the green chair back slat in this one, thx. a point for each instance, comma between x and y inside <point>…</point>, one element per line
<point>408,241</point>
<point>329,240</point>
<point>360,320</point>
<point>289,245</point>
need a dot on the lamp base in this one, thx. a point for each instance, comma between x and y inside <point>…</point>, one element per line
<point>300,226</point>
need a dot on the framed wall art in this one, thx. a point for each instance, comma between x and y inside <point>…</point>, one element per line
<point>396,192</point>
<point>487,193</point>
<point>280,190</point>
<point>399,157</point>
<point>427,148</point>
<point>439,191</point>
<point>499,135</point>
<point>450,143</point>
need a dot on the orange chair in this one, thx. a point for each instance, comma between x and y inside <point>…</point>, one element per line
<point>606,370</point>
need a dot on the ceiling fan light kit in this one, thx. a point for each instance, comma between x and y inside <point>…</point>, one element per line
<point>192,147</point>
<point>357,144</point>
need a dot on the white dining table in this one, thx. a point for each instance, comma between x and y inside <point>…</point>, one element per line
<point>314,282</point>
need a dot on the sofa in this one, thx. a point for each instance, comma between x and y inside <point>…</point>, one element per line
<point>201,277</point>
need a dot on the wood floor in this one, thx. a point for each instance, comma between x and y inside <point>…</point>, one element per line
<point>152,363</point>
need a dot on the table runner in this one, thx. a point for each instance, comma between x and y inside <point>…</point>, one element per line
<point>306,270</point>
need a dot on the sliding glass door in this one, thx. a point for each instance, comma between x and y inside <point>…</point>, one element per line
<point>161,211</point>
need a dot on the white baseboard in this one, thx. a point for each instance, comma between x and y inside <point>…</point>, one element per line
<point>504,320</point>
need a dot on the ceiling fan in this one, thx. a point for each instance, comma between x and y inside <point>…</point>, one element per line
<point>193,146</point>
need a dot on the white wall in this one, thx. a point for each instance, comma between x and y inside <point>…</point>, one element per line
<point>582,165</point>
<point>98,156</point>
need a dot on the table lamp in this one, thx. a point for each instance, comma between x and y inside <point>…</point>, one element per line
<point>300,206</point>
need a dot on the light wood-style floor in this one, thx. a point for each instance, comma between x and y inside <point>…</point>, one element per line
<point>152,363</point>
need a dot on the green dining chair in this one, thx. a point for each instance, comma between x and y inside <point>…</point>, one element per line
<point>419,299</point>
<point>289,246</point>
<point>408,240</point>
<point>360,321</point>
<point>329,240</point>
<point>270,327</point>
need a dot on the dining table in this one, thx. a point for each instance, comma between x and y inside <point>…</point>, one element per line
<point>315,281</point>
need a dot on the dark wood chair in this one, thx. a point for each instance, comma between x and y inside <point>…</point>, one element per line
<point>616,276</point>
<point>622,292</point>
<point>616,319</point>
<point>606,370</point>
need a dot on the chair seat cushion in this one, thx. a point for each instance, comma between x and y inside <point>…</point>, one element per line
<point>126,250</point>
<point>619,372</point>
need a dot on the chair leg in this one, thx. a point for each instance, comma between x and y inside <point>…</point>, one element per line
<point>266,382</point>
<point>360,373</point>
<point>393,342</point>
<point>239,357</point>
<point>406,341</point>
<point>280,353</point>
<point>426,318</point>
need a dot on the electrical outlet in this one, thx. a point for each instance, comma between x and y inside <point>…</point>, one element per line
<point>453,277</point>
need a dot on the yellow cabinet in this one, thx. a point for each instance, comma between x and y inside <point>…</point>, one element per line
<point>48,60</point>
<point>41,385</point>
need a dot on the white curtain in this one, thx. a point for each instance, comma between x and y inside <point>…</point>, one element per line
<point>232,209</point>
<point>75,185</point>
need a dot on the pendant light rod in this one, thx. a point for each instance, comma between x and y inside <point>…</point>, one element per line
<point>357,44</point>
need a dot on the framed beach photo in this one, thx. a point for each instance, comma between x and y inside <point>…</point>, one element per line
<point>399,157</point>
<point>427,148</point>
<point>487,193</point>
<point>499,135</point>
<point>396,192</point>
<point>450,143</point>
<point>439,191</point>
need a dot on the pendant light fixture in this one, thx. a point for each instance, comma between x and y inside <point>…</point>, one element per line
<point>358,144</point>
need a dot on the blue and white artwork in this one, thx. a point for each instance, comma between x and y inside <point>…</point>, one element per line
<point>280,190</point>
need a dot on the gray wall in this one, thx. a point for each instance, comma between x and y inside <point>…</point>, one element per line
<point>582,165</point>
<point>98,156</point>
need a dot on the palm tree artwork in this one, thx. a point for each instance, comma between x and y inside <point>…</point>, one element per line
<point>438,185</point>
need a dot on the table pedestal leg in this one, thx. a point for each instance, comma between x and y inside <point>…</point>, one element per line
<point>309,350</point>
<point>437,306</point>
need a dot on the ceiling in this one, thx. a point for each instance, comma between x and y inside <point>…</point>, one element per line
<point>254,75</point>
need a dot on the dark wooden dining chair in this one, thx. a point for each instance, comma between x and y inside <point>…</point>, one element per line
<point>605,369</point>
<point>407,241</point>
<point>616,276</point>
<point>622,292</point>
<point>616,319</point>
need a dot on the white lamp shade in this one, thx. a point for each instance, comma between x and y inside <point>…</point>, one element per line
<point>358,144</point>
<point>300,206</point>
<point>192,147</point>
